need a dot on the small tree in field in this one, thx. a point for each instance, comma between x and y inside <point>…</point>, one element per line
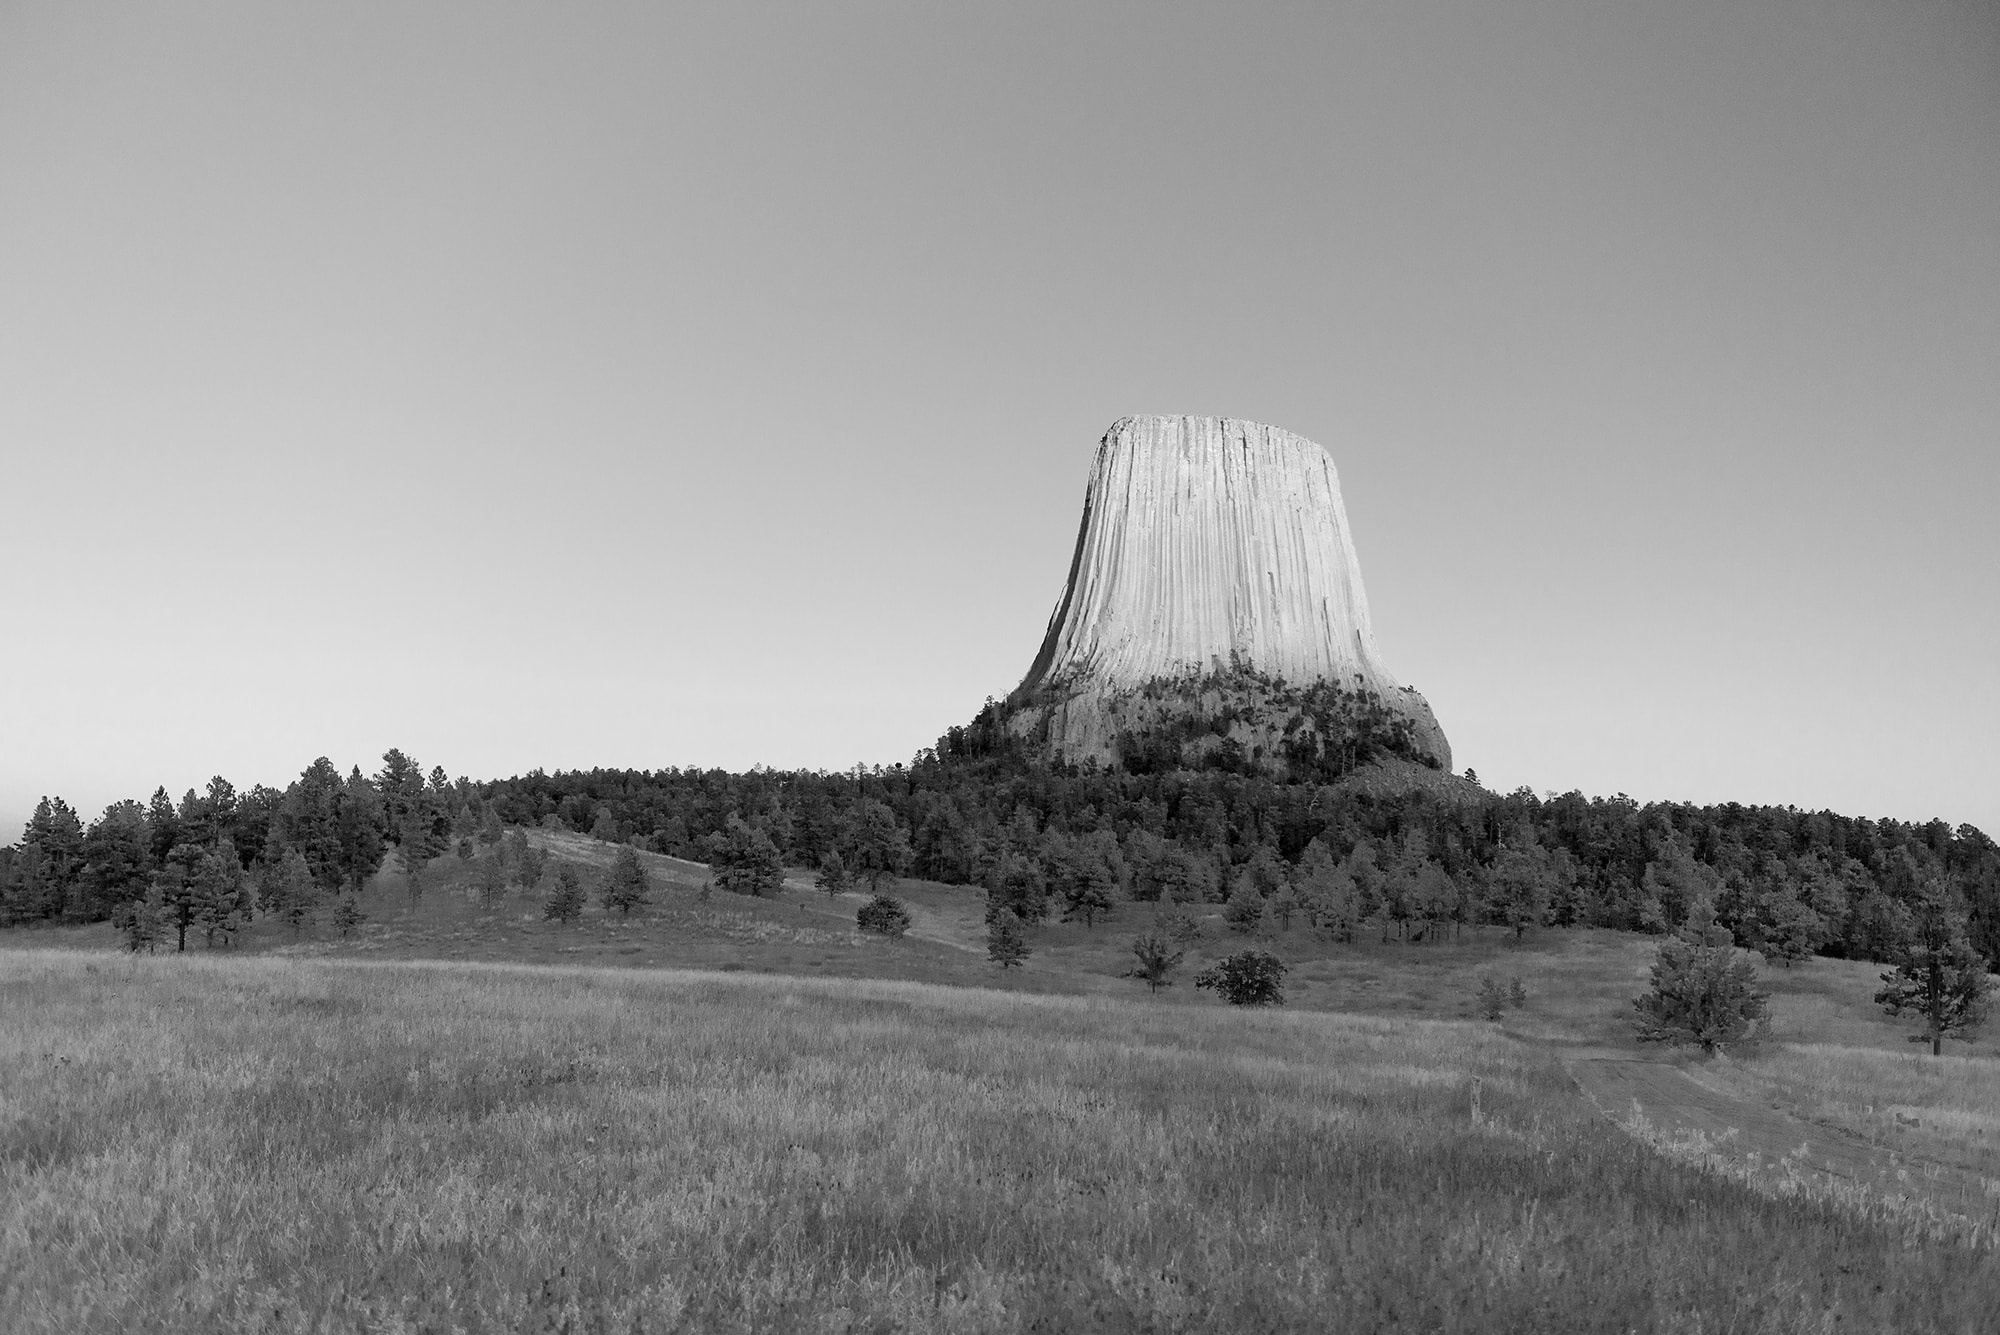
<point>1704,989</point>
<point>347,915</point>
<point>833,875</point>
<point>529,862</point>
<point>1157,959</point>
<point>1247,978</point>
<point>146,922</point>
<point>883,915</point>
<point>1245,910</point>
<point>492,881</point>
<point>516,847</point>
<point>1177,924</point>
<point>1939,977</point>
<point>628,887</point>
<point>1006,941</point>
<point>565,902</point>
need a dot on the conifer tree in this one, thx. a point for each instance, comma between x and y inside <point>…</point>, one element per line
<point>1007,941</point>
<point>1157,959</point>
<point>492,881</point>
<point>1939,977</point>
<point>883,915</point>
<point>745,861</point>
<point>145,924</point>
<point>347,915</point>
<point>529,863</point>
<point>833,877</point>
<point>627,887</point>
<point>1704,989</point>
<point>297,893</point>
<point>565,901</point>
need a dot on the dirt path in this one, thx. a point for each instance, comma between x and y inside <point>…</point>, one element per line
<point>1757,1135</point>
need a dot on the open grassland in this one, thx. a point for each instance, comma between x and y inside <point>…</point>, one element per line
<point>1941,1109</point>
<point>290,1144</point>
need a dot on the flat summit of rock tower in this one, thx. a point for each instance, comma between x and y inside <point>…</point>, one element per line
<point>1215,577</point>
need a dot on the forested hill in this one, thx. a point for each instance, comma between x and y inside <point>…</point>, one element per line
<point>1418,862</point>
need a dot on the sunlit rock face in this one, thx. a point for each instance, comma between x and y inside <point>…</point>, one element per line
<point>1214,567</point>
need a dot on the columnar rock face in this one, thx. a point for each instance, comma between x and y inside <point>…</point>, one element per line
<point>1210,546</point>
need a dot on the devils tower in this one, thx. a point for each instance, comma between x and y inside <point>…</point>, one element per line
<point>1214,614</point>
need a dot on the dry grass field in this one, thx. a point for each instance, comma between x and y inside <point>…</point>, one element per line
<point>238,1143</point>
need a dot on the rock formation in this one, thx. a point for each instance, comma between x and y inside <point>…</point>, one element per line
<point>1215,600</point>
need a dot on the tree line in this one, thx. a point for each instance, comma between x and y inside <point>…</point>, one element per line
<point>1045,838</point>
<point>206,863</point>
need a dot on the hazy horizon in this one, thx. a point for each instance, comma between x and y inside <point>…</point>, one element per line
<point>716,385</point>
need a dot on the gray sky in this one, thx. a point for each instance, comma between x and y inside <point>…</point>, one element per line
<point>644,385</point>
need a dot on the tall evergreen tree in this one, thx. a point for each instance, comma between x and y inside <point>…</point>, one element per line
<point>118,860</point>
<point>1939,977</point>
<point>163,824</point>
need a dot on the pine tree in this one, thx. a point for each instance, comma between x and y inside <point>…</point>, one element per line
<point>1177,924</point>
<point>1519,888</point>
<point>1007,941</point>
<point>222,899</point>
<point>529,862</point>
<point>833,877</point>
<point>627,887</point>
<point>883,915</point>
<point>565,902</point>
<point>298,894</point>
<point>492,881</point>
<point>145,922</point>
<point>1939,977</point>
<point>745,860</point>
<point>1704,989</point>
<point>876,844</point>
<point>347,915</point>
<point>1157,959</point>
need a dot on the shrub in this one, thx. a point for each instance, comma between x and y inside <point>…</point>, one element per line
<point>1704,989</point>
<point>884,915</point>
<point>1247,978</point>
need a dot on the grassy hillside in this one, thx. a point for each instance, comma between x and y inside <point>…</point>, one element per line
<point>723,1112</point>
<point>214,1143</point>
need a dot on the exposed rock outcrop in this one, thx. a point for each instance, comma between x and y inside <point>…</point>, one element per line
<point>1215,601</point>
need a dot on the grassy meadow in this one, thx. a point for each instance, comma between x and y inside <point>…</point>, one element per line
<point>230,1142</point>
